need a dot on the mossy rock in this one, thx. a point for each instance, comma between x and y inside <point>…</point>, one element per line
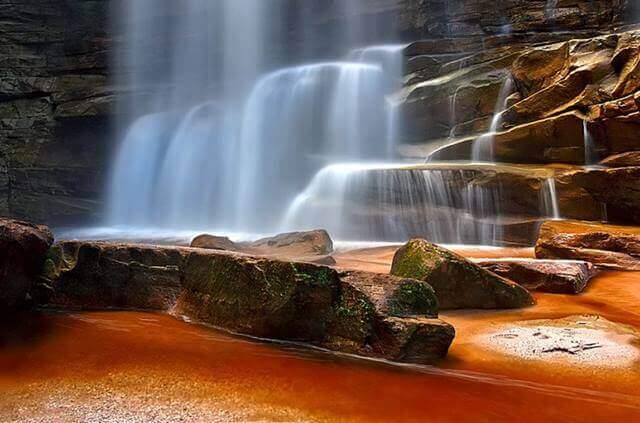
<point>458,283</point>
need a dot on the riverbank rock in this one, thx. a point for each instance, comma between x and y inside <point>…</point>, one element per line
<point>555,276</point>
<point>310,246</point>
<point>213,242</point>
<point>23,248</point>
<point>608,246</point>
<point>355,312</point>
<point>458,283</point>
<point>630,158</point>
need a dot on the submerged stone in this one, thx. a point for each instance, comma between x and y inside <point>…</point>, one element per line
<point>458,283</point>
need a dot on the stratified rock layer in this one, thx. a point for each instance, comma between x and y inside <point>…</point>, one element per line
<point>362,313</point>
<point>555,276</point>
<point>23,247</point>
<point>458,283</point>
<point>609,246</point>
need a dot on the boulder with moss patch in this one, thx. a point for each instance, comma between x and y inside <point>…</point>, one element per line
<point>458,283</point>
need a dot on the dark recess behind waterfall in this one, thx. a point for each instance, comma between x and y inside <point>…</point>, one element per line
<point>58,96</point>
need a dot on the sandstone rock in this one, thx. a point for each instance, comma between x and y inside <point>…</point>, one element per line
<point>555,276</point>
<point>458,283</point>
<point>628,159</point>
<point>608,246</point>
<point>212,242</point>
<point>310,246</point>
<point>298,244</point>
<point>23,248</point>
<point>617,188</point>
<point>356,312</point>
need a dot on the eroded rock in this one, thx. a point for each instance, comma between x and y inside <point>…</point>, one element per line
<point>23,248</point>
<point>555,276</point>
<point>608,246</point>
<point>458,283</point>
<point>356,312</point>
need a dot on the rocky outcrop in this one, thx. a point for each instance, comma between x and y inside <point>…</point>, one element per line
<point>617,188</point>
<point>23,248</point>
<point>608,246</point>
<point>628,159</point>
<point>458,283</point>
<point>362,313</point>
<point>554,276</point>
<point>55,104</point>
<point>313,246</point>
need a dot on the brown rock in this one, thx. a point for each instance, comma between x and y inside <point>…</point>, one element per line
<point>23,248</point>
<point>356,312</point>
<point>628,159</point>
<point>212,242</point>
<point>458,283</point>
<point>295,244</point>
<point>609,246</point>
<point>555,276</point>
<point>617,188</point>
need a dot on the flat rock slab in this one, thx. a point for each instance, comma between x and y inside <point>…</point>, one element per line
<point>308,246</point>
<point>554,276</point>
<point>362,313</point>
<point>607,246</point>
<point>576,340</point>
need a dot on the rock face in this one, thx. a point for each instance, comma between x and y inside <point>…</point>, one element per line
<point>616,188</point>
<point>55,106</point>
<point>314,246</point>
<point>362,313</point>
<point>608,246</point>
<point>458,283</point>
<point>554,276</point>
<point>23,247</point>
<point>631,158</point>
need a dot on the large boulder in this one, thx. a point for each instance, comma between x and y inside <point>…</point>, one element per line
<point>608,246</point>
<point>555,276</point>
<point>458,283</point>
<point>356,312</point>
<point>23,249</point>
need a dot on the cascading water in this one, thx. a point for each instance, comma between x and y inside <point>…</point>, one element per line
<point>590,153</point>
<point>216,145</point>
<point>482,149</point>
<point>392,202</point>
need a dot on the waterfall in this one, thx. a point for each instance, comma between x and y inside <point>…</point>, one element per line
<point>482,150</point>
<point>392,202</point>
<point>550,199</point>
<point>216,137</point>
<point>590,153</point>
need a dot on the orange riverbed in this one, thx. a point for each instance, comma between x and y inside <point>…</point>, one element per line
<point>131,366</point>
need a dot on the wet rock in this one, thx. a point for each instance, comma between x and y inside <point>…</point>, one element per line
<point>296,244</point>
<point>212,242</point>
<point>617,188</point>
<point>628,159</point>
<point>458,283</point>
<point>555,276</point>
<point>356,312</point>
<point>310,246</point>
<point>608,246</point>
<point>23,248</point>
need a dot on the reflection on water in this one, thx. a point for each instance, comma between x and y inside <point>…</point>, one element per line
<point>156,359</point>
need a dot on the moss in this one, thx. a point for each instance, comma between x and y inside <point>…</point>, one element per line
<point>413,298</point>
<point>416,259</point>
